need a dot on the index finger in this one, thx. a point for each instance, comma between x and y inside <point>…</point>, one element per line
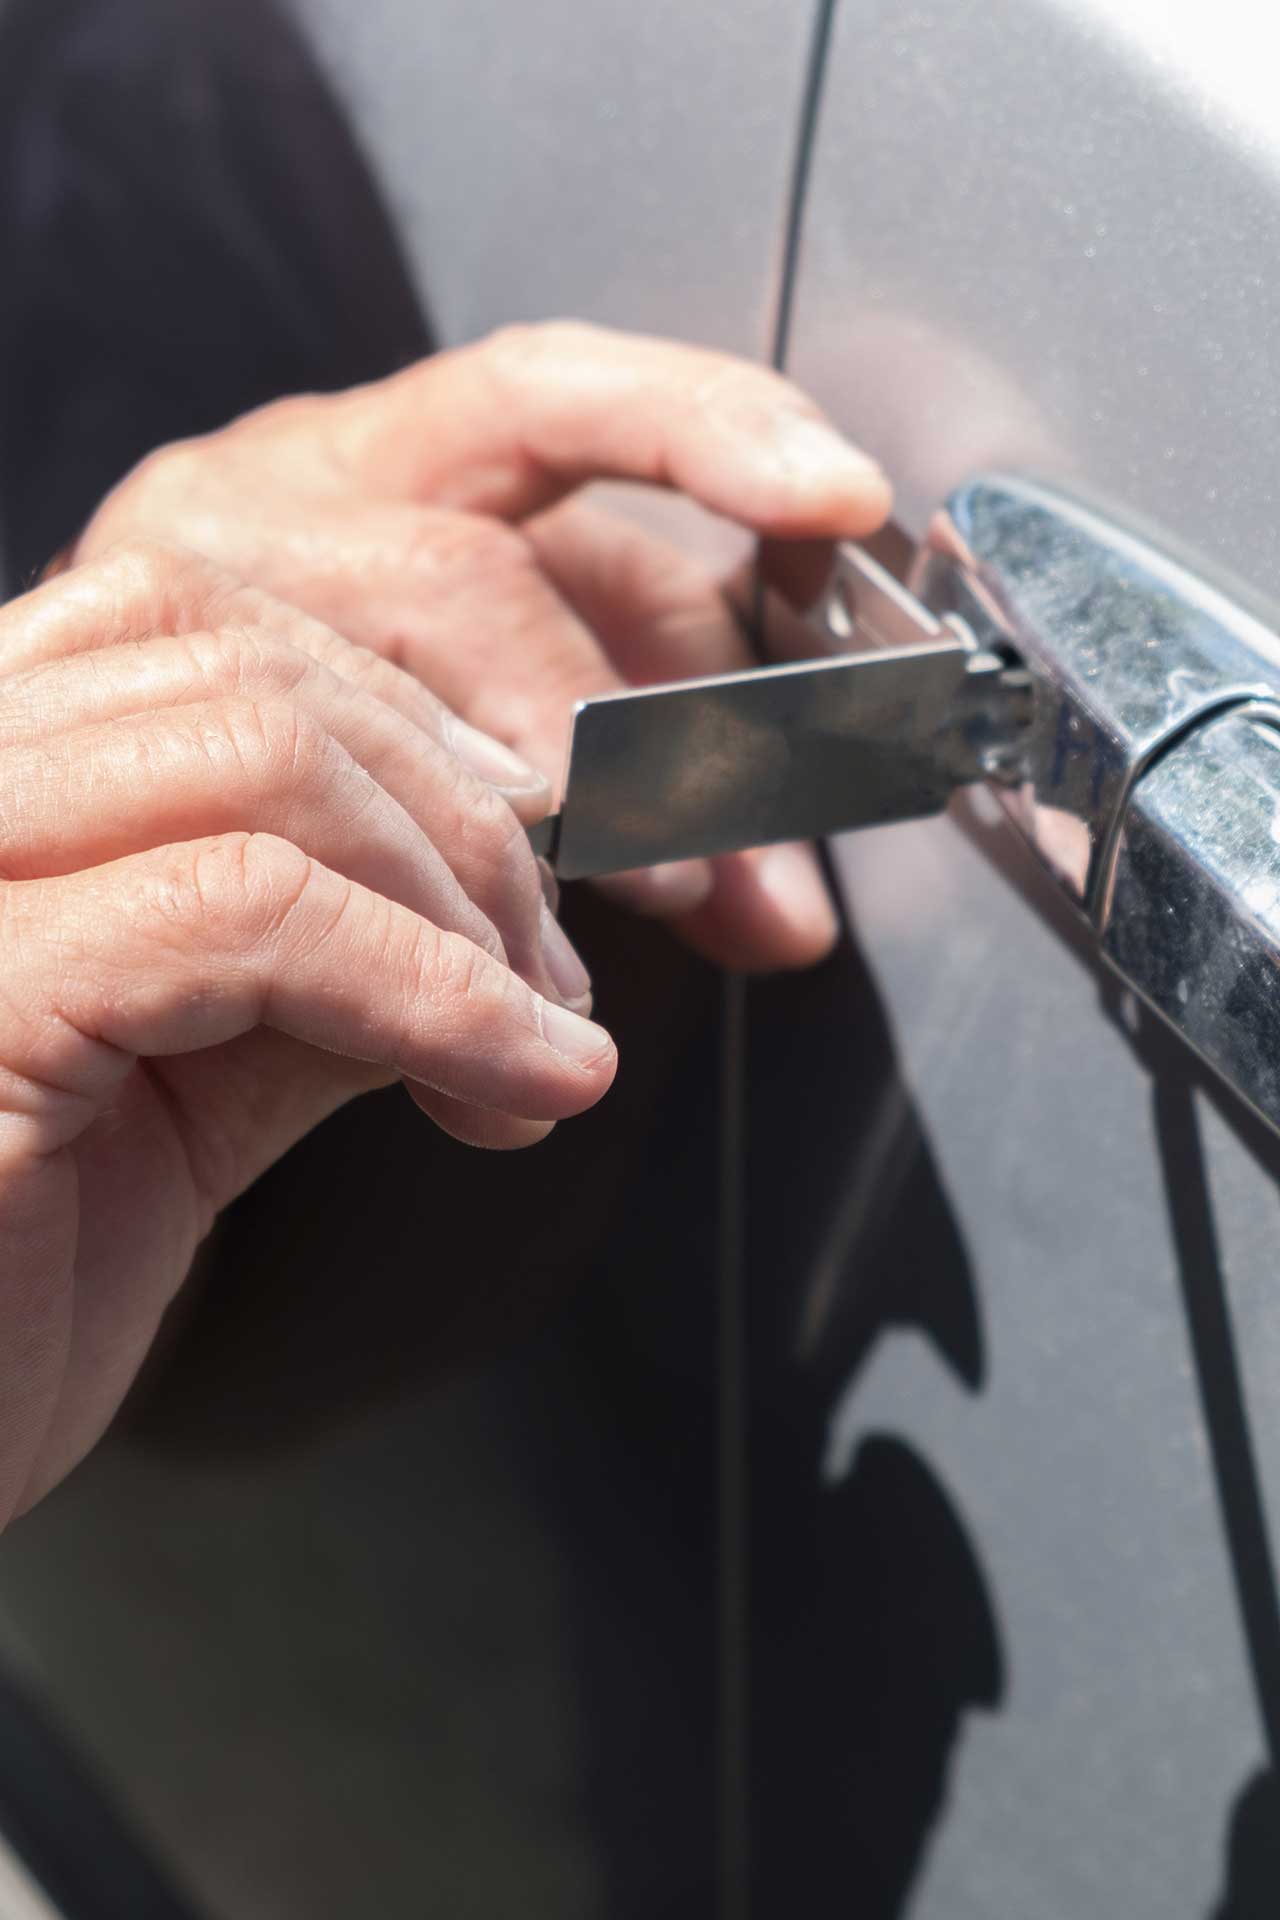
<point>510,425</point>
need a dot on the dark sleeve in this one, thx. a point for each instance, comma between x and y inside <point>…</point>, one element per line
<point>187,230</point>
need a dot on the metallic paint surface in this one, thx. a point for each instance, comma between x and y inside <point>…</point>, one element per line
<point>1080,1467</point>
<point>1039,238</point>
<point>1030,246</point>
<point>620,164</point>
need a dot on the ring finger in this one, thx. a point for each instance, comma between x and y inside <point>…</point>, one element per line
<point>467,824</point>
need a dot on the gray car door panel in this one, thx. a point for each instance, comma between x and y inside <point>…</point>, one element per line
<point>622,165</point>
<point>1038,239</point>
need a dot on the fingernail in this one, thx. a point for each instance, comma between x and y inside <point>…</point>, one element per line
<point>493,761</point>
<point>793,881</point>
<point>680,885</point>
<point>811,447</point>
<point>576,1039</point>
<point>568,975</point>
<point>675,888</point>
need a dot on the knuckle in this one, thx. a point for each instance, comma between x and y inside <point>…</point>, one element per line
<point>528,353</point>
<point>257,898</point>
<point>189,892</point>
<point>150,490</point>
<point>242,661</point>
<point>147,586</point>
<point>502,842</point>
<point>233,890</point>
<point>272,879</point>
<point>286,415</point>
<point>169,468</point>
<point>236,739</point>
<point>269,742</point>
<point>147,570</point>
<point>202,887</point>
<point>523,344</point>
<point>509,349</point>
<point>458,977</point>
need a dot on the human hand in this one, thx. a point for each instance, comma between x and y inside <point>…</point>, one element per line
<point>430,517</point>
<point>249,870</point>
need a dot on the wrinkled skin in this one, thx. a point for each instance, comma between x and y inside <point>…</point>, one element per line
<point>268,748</point>
<point>250,871</point>
<point>432,517</point>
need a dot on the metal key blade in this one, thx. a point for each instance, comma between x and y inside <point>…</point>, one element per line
<point>781,753</point>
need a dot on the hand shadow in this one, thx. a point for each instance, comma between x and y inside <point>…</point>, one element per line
<point>1253,1865</point>
<point>1177,1077</point>
<point>873,1629</point>
<point>1253,1852</point>
<point>862,1682</point>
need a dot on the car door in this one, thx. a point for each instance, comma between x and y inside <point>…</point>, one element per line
<point>1017,1447</point>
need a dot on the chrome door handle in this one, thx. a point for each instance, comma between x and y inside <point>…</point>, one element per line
<point>1149,781</point>
<point>1127,713</point>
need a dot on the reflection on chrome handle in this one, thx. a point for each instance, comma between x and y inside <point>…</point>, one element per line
<point>1150,780</point>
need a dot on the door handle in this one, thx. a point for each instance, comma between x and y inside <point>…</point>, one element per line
<point>1126,712</point>
<point>1149,776</point>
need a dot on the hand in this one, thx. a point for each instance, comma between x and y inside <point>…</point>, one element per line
<point>429,517</point>
<point>249,871</point>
